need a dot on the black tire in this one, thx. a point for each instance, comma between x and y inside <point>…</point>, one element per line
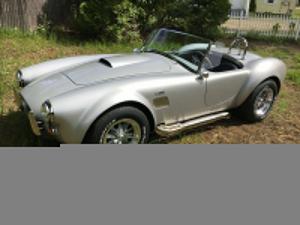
<point>101,126</point>
<point>247,110</point>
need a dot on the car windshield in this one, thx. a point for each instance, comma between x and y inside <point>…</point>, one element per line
<point>186,49</point>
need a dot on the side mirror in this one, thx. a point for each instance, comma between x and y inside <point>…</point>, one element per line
<point>203,74</point>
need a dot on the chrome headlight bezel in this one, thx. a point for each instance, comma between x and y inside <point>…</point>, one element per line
<point>48,113</point>
<point>20,79</point>
<point>47,107</point>
<point>49,118</point>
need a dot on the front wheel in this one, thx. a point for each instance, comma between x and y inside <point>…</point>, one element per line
<point>259,104</point>
<point>124,125</point>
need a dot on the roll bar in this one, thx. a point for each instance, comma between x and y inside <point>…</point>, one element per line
<point>242,44</point>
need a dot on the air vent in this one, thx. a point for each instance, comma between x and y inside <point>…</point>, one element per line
<point>105,62</point>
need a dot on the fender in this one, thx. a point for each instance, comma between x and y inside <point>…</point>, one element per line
<point>32,73</point>
<point>104,104</point>
<point>91,102</point>
<point>261,70</point>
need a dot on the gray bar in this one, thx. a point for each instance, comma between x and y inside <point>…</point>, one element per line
<point>157,184</point>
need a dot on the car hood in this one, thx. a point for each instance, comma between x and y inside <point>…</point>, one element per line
<point>105,69</point>
<point>116,67</point>
<point>39,91</point>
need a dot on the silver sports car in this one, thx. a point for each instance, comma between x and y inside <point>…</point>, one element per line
<point>176,81</point>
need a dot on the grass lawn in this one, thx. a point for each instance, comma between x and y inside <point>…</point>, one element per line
<point>20,50</point>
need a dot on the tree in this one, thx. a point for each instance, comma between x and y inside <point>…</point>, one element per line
<point>94,17</point>
<point>196,16</point>
<point>112,19</point>
<point>203,16</point>
<point>253,6</point>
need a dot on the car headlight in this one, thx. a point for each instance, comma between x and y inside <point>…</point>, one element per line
<point>20,79</point>
<point>48,113</point>
<point>49,118</point>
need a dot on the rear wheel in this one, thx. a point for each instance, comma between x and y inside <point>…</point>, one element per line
<point>124,125</point>
<point>259,104</point>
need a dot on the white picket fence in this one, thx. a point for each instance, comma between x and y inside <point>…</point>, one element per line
<point>262,24</point>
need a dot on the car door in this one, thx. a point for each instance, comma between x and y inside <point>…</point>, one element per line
<point>186,97</point>
<point>223,87</point>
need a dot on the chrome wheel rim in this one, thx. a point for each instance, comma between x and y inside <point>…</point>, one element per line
<point>264,102</point>
<point>125,131</point>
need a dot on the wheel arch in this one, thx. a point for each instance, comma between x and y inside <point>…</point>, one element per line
<point>134,104</point>
<point>273,78</point>
<point>276,80</point>
<point>246,91</point>
<point>260,71</point>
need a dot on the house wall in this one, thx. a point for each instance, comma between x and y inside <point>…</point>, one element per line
<point>237,4</point>
<point>279,6</point>
<point>240,4</point>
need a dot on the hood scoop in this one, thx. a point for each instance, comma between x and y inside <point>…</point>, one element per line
<point>123,60</point>
<point>117,67</point>
<point>105,62</point>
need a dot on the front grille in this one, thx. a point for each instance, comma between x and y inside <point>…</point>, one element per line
<point>21,83</point>
<point>20,79</point>
<point>40,124</point>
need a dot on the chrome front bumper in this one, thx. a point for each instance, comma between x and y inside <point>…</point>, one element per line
<point>36,126</point>
<point>20,102</point>
<point>18,99</point>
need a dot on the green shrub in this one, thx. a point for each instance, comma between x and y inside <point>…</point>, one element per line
<point>94,17</point>
<point>198,17</point>
<point>276,28</point>
<point>126,27</point>
<point>45,26</point>
<point>204,17</point>
<point>114,20</point>
<point>125,20</point>
<point>253,6</point>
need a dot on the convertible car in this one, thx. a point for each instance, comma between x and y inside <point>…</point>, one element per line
<point>176,81</point>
